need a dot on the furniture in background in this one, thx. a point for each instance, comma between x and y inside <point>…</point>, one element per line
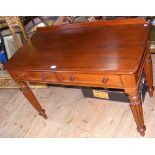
<point>3,55</point>
<point>109,54</point>
<point>32,19</point>
<point>79,19</point>
<point>15,27</point>
<point>13,22</point>
<point>73,19</point>
<point>14,36</point>
<point>10,44</point>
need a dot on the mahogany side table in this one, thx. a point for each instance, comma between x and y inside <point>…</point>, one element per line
<point>107,54</point>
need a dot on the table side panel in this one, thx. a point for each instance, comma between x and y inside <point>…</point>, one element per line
<point>90,79</point>
<point>70,78</point>
<point>35,76</point>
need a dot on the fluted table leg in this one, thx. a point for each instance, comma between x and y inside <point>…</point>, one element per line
<point>136,108</point>
<point>149,73</point>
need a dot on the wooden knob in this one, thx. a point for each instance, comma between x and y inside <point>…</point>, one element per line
<point>44,77</point>
<point>105,80</point>
<point>72,78</point>
<point>21,76</point>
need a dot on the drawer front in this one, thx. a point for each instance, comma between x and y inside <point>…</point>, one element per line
<point>37,76</point>
<point>91,78</point>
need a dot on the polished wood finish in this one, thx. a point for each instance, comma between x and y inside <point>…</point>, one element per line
<point>102,80</point>
<point>109,54</point>
<point>149,75</point>
<point>136,107</point>
<point>30,96</point>
<point>36,76</point>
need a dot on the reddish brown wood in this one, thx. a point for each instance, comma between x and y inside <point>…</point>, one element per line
<point>136,107</point>
<point>106,80</point>
<point>109,54</point>
<point>149,73</point>
<point>84,48</point>
<point>29,95</point>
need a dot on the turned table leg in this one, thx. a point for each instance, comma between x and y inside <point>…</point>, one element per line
<point>31,98</point>
<point>149,73</point>
<point>136,108</point>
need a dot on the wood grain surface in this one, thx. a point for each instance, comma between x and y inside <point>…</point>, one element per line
<point>94,46</point>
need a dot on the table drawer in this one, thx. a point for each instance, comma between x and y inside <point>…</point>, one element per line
<point>90,78</point>
<point>37,76</point>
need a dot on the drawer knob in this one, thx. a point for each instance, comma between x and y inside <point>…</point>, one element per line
<point>72,78</point>
<point>21,76</point>
<point>44,77</point>
<point>105,80</point>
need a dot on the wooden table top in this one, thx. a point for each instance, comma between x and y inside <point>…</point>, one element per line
<point>90,47</point>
